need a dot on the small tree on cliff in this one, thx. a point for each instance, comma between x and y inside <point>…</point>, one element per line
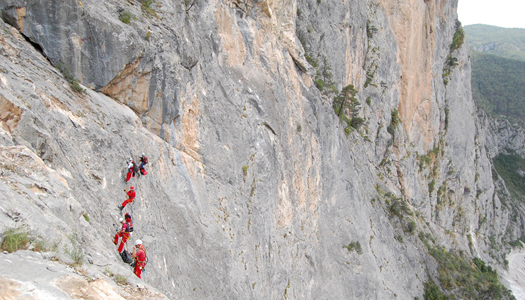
<point>346,101</point>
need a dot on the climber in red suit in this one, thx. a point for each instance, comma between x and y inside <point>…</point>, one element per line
<point>139,254</point>
<point>143,162</point>
<point>123,233</point>
<point>131,197</point>
<point>132,169</point>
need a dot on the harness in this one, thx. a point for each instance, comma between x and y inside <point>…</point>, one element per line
<point>140,263</point>
<point>126,232</point>
<point>129,228</point>
<point>143,262</point>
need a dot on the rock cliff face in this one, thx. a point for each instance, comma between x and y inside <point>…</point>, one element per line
<point>255,190</point>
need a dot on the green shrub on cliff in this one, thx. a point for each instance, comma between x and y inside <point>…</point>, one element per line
<point>146,7</point>
<point>465,278</point>
<point>125,17</point>
<point>15,239</point>
<point>432,291</point>
<point>459,37</point>
<point>451,61</point>
<point>346,108</point>
<point>73,82</point>
<point>354,246</point>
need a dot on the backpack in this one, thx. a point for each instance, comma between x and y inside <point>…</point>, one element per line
<point>135,168</point>
<point>129,228</point>
<point>126,257</point>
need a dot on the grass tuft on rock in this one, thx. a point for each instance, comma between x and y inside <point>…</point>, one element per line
<point>15,239</point>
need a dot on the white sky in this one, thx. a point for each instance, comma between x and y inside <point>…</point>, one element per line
<point>502,13</point>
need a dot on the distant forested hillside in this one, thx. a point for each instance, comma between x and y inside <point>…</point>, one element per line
<point>503,42</point>
<point>498,69</point>
<point>498,85</point>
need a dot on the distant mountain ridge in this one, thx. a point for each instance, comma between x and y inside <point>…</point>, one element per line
<point>498,70</point>
<point>503,42</point>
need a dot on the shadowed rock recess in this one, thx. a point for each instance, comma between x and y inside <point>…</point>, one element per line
<point>256,188</point>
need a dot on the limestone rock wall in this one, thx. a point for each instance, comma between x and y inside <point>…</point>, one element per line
<point>254,189</point>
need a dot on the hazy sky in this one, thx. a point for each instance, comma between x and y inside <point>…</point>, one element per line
<point>502,13</point>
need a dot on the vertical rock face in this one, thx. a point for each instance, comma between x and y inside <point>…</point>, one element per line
<point>77,38</point>
<point>414,25</point>
<point>254,189</point>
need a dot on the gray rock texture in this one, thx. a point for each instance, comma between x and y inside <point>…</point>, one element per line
<point>32,275</point>
<point>255,190</point>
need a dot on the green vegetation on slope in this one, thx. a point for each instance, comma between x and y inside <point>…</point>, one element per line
<point>15,239</point>
<point>457,42</point>
<point>498,85</point>
<point>432,291</point>
<point>498,72</point>
<point>472,279</point>
<point>511,167</point>
<point>346,108</point>
<point>503,42</point>
<point>461,277</point>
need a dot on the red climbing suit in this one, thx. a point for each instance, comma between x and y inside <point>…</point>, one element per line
<point>124,235</point>
<point>140,259</point>
<point>131,197</point>
<point>129,222</point>
<point>131,170</point>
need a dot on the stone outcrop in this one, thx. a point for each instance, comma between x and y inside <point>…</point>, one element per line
<point>32,275</point>
<point>255,190</point>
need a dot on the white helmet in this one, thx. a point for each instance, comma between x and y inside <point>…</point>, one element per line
<point>138,242</point>
<point>143,154</point>
<point>121,220</point>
